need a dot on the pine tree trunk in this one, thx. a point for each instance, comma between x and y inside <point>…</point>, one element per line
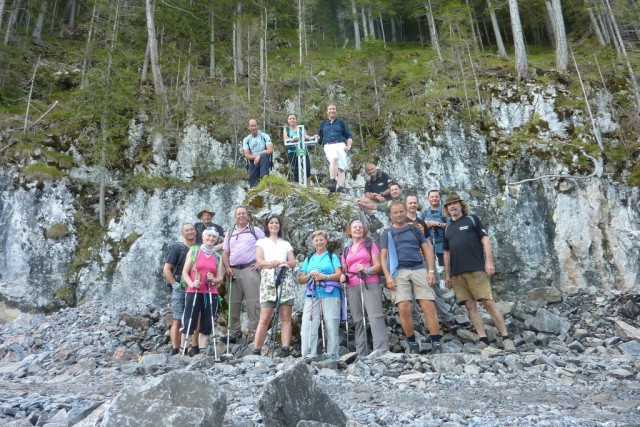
<point>384,39</point>
<point>522,67</point>
<point>502,52</point>
<point>300,28</point>
<point>238,55</point>
<point>158,85</point>
<point>394,33</point>
<point>72,13</point>
<point>212,45</point>
<point>2,4</point>
<point>433,30</point>
<point>356,29</point>
<point>365,29</point>
<point>145,64</point>
<point>87,49</point>
<point>372,30</point>
<point>596,27</point>
<point>562,50</point>
<point>37,30</point>
<point>473,27</point>
<point>549,20</point>
<point>12,20</point>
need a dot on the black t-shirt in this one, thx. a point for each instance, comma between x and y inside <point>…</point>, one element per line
<point>462,238</point>
<point>176,256</point>
<point>422,226</point>
<point>379,185</point>
<point>200,227</point>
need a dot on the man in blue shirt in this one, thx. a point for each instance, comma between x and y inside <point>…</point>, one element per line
<point>257,150</point>
<point>335,136</point>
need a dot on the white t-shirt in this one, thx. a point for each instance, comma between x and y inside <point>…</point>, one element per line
<point>274,251</point>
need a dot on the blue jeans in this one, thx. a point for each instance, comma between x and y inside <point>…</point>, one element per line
<point>257,172</point>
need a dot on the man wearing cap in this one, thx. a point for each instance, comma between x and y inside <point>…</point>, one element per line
<point>172,271</point>
<point>239,258</point>
<point>257,149</point>
<point>335,136</point>
<point>206,218</point>
<point>468,264</point>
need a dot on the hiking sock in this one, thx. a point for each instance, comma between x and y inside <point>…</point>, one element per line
<point>505,337</point>
<point>484,340</point>
<point>175,351</point>
<point>412,338</point>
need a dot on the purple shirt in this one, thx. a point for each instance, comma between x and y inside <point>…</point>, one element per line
<point>241,244</point>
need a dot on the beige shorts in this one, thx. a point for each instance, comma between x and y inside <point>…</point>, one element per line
<point>412,283</point>
<point>472,285</point>
<point>331,151</point>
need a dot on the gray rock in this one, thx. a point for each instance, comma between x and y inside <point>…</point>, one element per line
<point>545,321</point>
<point>577,346</point>
<point>467,336</point>
<point>152,363</point>
<point>18,423</point>
<point>626,331</point>
<point>177,398</point>
<point>620,373</point>
<point>292,396</point>
<point>307,423</point>
<point>447,362</point>
<point>548,294</point>
<point>630,348</point>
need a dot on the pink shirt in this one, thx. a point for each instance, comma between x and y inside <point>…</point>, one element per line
<point>204,265</point>
<point>361,256</point>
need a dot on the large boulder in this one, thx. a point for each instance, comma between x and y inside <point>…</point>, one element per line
<point>546,321</point>
<point>176,399</point>
<point>293,396</point>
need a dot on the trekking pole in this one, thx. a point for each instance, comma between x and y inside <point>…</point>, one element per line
<point>193,305</point>
<point>213,327</point>
<point>364,318</point>
<point>324,345</point>
<point>346,321</point>
<point>313,290</point>
<point>229,313</point>
<point>278,283</point>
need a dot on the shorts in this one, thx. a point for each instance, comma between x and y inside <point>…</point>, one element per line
<point>383,206</point>
<point>331,151</point>
<point>471,285</point>
<point>412,283</point>
<point>272,304</point>
<point>177,303</point>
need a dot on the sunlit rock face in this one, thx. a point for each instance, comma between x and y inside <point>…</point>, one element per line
<point>568,232</point>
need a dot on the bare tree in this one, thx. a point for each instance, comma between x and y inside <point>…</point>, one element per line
<point>502,52</point>
<point>158,85</point>
<point>435,44</point>
<point>87,49</point>
<point>472,25</point>
<point>365,28</point>
<point>562,51</point>
<point>2,3</point>
<point>522,67</point>
<point>237,58</point>
<point>212,45</point>
<point>12,20</point>
<point>596,27</point>
<point>356,29</point>
<point>300,28</point>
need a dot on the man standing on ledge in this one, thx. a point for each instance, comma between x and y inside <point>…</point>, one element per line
<point>468,264</point>
<point>335,136</point>
<point>257,150</point>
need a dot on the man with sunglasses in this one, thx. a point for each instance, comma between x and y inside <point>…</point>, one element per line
<point>239,258</point>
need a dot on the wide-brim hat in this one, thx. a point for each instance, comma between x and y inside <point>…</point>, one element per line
<point>452,197</point>
<point>205,210</point>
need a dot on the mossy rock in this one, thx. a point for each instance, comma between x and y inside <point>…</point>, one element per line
<point>56,232</point>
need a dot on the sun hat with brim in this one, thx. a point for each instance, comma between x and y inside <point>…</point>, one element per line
<point>452,197</point>
<point>203,211</point>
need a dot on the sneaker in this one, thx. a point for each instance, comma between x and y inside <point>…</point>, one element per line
<point>507,345</point>
<point>449,327</point>
<point>436,347</point>
<point>414,348</point>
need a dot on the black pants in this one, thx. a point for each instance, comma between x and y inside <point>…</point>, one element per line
<point>198,305</point>
<point>256,173</point>
<point>293,161</point>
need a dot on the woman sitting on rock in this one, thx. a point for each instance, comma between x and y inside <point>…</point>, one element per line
<point>321,273</point>
<point>273,254</point>
<point>202,273</point>
<point>361,264</point>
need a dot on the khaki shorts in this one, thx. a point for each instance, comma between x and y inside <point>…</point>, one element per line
<point>272,304</point>
<point>412,283</point>
<point>472,285</point>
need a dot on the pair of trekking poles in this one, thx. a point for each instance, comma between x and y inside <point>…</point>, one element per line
<point>364,318</point>
<point>213,325</point>
<point>276,313</point>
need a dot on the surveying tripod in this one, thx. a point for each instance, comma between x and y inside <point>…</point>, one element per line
<point>301,151</point>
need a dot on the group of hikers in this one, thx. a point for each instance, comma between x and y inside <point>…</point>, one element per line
<point>257,264</point>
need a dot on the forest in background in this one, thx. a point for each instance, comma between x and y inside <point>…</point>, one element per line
<point>73,73</point>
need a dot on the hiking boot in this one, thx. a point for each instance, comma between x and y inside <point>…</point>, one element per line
<point>332,185</point>
<point>375,223</point>
<point>193,351</point>
<point>507,345</point>
<point>285,352</point>
<point>257,351</point>
<point>414,348</point>
<point>340,190</point>
<point>436,347</point>
<point>232,339</point>
<point>449,327</point>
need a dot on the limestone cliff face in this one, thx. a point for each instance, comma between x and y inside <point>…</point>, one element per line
<point>566,232</point>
